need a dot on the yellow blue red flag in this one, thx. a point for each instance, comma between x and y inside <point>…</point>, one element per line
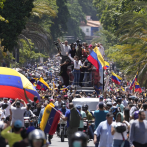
<point>116,79</point>
<point>50,119</point>
<point>42,84</point>
<point>96,59</point>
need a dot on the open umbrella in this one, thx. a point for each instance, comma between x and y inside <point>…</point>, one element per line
<point>12,84</point>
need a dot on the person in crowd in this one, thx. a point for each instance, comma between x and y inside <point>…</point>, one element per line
<point>120,105</point>
<point>99,115</point>
<point>72,51</point>
<point>2,139</point>
<point>118,138</point>
<point>58,102</point>
<point>138,131</point>
<point>79,139</point>
<point>77,64</point>
<point>70,129</point>
<point>15,136</point>
<point>7,109</point>
<point>18,112</point>
<point>104,131</point>
<point>28,112</point>
<point>37,138</point>
<point>37,110</point>
<point>83,117</point>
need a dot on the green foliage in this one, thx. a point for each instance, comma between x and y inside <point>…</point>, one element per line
<point>59,23</point>
<point>76,16</point>
<point>16,12</point>
<point>28,52</point>
<point>106,38</point>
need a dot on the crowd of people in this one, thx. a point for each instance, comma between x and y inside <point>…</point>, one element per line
<point>120,118</point>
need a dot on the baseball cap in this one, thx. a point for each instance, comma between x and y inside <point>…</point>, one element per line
<point>109,114</point>
<point>78,107</point>
<point>18,124</point>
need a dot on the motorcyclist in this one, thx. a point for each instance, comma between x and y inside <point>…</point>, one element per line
<point>28,112</point>
<point>79,139</point>
<point>88,114</point>
<point>63,109</point>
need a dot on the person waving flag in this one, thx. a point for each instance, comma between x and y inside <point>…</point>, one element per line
<point>133,82</point>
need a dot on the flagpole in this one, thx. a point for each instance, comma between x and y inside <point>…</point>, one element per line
<point>56,110</point>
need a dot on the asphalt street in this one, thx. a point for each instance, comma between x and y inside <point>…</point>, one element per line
<point>56,142</point>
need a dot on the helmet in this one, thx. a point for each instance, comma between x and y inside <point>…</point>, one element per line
<point>85,107</point>
<point>79,137</point>
<point>119,100</point>
<point>63,104</point>
<point>28,105</point>
<point>109,104</point>
<point>120,127</point>
<point>4,106</point>
<point>136,114</point>
<point>114,110</point>
<point>36,134</point>
<point>108,100</point>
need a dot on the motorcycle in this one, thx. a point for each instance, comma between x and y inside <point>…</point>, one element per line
<point>31,121</point>
<point>62,131</point>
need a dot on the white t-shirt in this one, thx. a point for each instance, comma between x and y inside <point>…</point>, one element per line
<point>18,114</point>
<point>77,64</point>
<point>7,110</point>
<point>2,115</point>
<point>117,135</point>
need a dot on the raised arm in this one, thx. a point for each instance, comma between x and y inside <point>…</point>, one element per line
<point>70,57</point>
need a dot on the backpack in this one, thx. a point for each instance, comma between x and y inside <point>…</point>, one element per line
<point>74,120</point>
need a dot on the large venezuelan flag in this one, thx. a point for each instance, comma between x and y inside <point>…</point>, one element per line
<point>116,79</point>
<point>137,87</point>
<point>133,82</point>
<point>43,83</point>
<point>96,59</point>
<point>50,119</point>
<point>12,84</point>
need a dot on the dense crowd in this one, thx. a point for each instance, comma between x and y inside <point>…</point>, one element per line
<point>119,119</point>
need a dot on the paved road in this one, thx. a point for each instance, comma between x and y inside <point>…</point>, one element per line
<point>56,142</point>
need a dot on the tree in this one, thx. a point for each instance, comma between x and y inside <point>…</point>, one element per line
<point>28,53</point>
<point>59,24</point>
<point>16,12</point>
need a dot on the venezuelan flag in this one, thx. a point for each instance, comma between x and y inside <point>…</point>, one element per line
<point>122,88</point>
<point>133,82</point>
<point>116,79</point>
<point>137,87</point>
<point>106,65</point>
<point>40,83</point>
<point>12,84</point>
<point>96,59</point>
<point>50,119</point>
<point>54,86</point>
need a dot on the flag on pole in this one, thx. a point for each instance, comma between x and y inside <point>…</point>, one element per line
<point>106,65</point>
<point>96,59</point>
<point>116,79</point>
<point>42,83</point>
<point>133,82</point>
<point>137,87</point>
<point>50,119</point>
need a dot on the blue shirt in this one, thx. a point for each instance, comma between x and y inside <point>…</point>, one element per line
<point>67,114</point>
<point>104,130</point>
<point>40,115</point>
<point>63,110</point>
<point>99,116</point>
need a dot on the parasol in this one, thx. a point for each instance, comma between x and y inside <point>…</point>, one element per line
<point>12,84</point>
